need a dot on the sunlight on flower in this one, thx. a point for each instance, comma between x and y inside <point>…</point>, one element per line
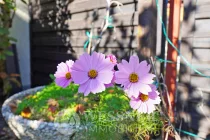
<point>112,58</point>
<point>63,74</point>
<point>92,72</point>
<point>134,76</point>
<point>146,103</point>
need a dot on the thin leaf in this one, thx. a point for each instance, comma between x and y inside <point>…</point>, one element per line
<point>14,75</point>
<point>12,39</point>
<point>2,57</point>
<point>3,75</point>
<point>4,31</point>
<point>14,80</point>
<point>24,1</point>
<point>9,53</point>
<point>52,77</point>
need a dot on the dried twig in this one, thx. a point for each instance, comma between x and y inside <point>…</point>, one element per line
<point>170,129</point>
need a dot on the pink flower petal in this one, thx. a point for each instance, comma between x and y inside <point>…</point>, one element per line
<point>63,82</point>
<point>133,62</point>
<point>121,77</point>
<point>96,62</point>
<point>79,77</point>
<point>84,88</point>
<point>83,63</point>
<point>97,59</point>
<point>96,86</point>
<point>112,82</point>
<point>144,88</point>
<point>142,68</point>
<point>62,67</point>
<point>142,108</point>
<point>125,67</point>
<point>156,100</point>
<point>134,90</point>
<point>150,107</point>
<point>153,95</point>
<point>69,63</point>
<point>106,65</point>
<point>92,85</point>
<point>112,58</point>
<point>105,76</point>
<point>135,104</point>
<point>60,74</point>
<point>147,79</point>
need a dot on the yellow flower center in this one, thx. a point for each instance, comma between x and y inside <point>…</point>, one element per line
<point>68,75</point>
<point>92,74</point>
<point>143,97</point>
<point>133,78</point>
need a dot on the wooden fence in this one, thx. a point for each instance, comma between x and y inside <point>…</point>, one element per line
<point>58,31</point>
<point>193,102</point>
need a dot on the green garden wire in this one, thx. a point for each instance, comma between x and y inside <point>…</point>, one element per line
<point>178,51</point>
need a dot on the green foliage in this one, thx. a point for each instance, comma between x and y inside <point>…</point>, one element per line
<point>4,31</point>
<point>108,114</point>
<point>8,8</point>
<point>52,77</point>
<point>66,97</point>
<point>8,80</point>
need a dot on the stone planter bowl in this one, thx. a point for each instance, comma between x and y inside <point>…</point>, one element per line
<point>26,129</point>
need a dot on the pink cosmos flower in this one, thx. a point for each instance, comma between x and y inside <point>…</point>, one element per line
<point>146,103</point>
<point>92,72</point>
<point>134,76</point>
<point>63,74</point>
<point>112,58</point>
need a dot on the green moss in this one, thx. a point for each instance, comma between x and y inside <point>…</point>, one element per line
<point>108,114</point>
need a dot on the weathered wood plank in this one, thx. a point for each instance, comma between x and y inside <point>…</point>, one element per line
<point>54,56</point>
<point>120,53</point>
<point>45,68</point>
<point>186,44</point>
<point>187,26</point>
<point>57,9</point>
<point>202,11</point>
<point>202,28</point>
<point>202,67</point>
<point>125,19</point>
<point>201,43</point>
<point>203,2</point>
<point>201,55</point>
<point>81,5</point>
<point>40,79</point>
<point>128,8</point>
<point>201,82</point>
<point>80,41</point>
<point>123,36</point>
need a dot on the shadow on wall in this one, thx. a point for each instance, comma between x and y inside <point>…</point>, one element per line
<point>57,35</point>
<point>192,106</point>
